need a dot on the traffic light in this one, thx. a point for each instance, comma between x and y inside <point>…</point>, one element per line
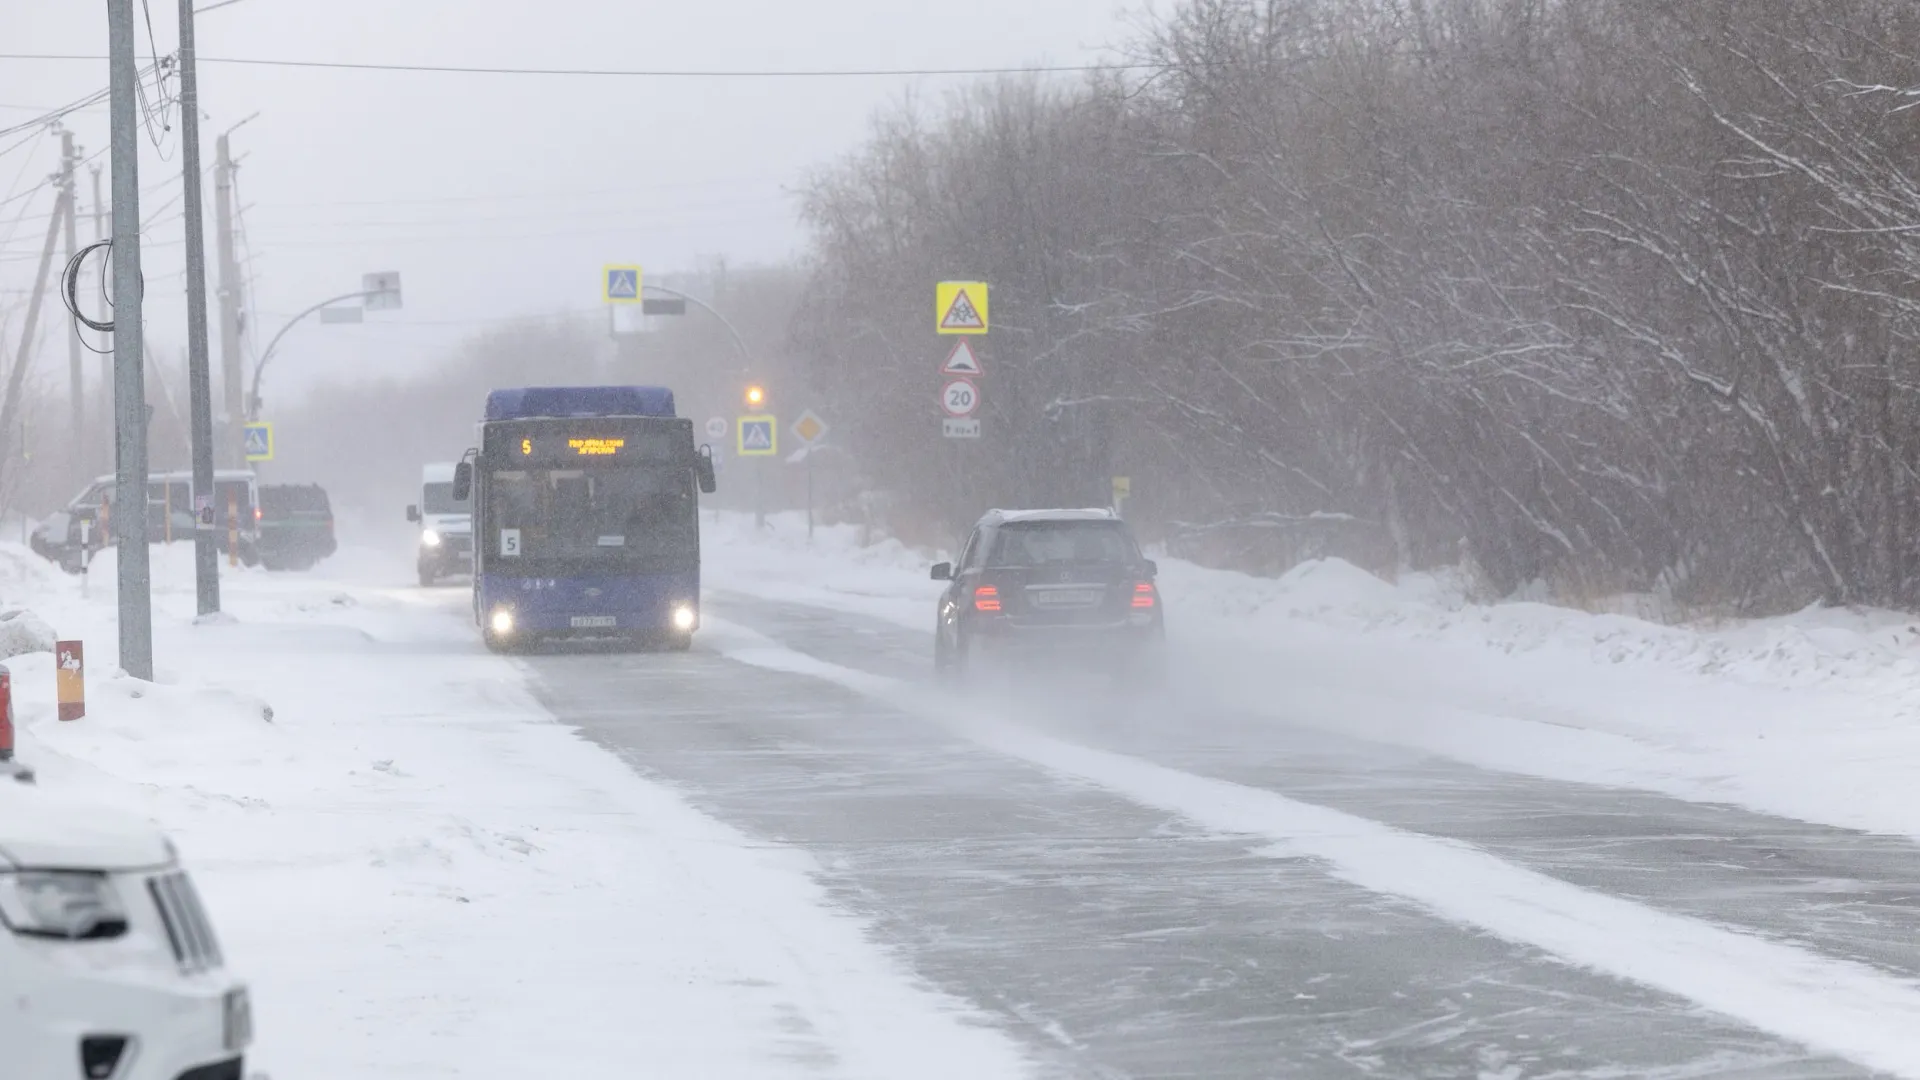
<point>756,396</point>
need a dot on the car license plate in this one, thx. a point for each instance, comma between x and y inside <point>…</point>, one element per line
<point>1066,598</point>
<point>237,1021</point>
<point>592,622</point>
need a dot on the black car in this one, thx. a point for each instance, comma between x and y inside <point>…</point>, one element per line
<point>1052,587</point>
<point>296,526</point>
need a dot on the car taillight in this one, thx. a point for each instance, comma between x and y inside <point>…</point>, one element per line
<point>986,598</point>
<point>1143,596</point>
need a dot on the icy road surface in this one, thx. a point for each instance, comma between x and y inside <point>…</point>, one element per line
<point>1167,888</point>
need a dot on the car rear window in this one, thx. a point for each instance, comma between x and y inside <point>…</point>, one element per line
<point>1039,543</point>
<point>294,499</point>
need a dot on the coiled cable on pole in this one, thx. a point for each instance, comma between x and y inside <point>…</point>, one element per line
<point>70,286</point>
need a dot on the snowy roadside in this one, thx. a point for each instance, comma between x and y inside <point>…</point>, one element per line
<point>420,873</point>
<point>1814,716</point>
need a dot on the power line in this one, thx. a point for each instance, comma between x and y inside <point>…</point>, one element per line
<point>87,102</point>
<point>155,188</point>
<point>628,192</point>
<point>609,216</point>
<point>640,73</point>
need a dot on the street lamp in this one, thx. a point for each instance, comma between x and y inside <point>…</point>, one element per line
<point>378,292</point>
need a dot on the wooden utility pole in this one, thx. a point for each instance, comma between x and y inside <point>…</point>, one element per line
<point>10,408</point>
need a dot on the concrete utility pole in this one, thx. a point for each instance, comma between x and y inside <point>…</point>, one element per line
<point>236,407</point>
<point>206,553</point>
<point>105,344</point>
<point>129,382</point>
<point>76,379</point>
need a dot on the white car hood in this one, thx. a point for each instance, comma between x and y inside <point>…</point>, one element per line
<point>44,830</point>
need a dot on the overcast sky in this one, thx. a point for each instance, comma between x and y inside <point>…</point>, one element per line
<point>496,196</point>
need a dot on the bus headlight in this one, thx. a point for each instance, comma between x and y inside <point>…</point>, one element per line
<point>683,617</point>
<point>501,621</point>
<point>430,538</point>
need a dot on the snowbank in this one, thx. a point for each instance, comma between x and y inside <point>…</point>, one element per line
<point>420,873</point>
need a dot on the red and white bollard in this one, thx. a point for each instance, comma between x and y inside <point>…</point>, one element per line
<point>6,714</point>
<point>70,679</point>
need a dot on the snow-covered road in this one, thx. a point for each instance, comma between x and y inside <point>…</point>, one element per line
<point>788,853</point>
<point>1170,887</point>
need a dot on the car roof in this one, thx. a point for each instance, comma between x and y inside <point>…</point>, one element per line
<point>181,474</point>
<point>1008,517</point>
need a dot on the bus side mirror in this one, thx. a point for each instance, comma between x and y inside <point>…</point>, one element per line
<point>462,481</point>
<point>703,470</point>
<point>413,513</point>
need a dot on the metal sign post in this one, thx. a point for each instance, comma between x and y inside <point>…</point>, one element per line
<point>809,429</point>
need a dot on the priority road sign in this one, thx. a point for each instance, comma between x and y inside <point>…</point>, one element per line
<point>620,284</point>
<point>959,398</point>
<point>759,436</point>
<point>259,441</point>
<point>809,429</point>
<point>962,361</point>
<point>960,307</point>
<point>717,428</point>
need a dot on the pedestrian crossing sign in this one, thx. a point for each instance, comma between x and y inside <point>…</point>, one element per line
<point>621,284</point>
<point>758,436</point>
<point>258,438</point>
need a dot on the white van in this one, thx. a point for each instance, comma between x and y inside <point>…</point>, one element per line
<point>446,525</point>
<point>109,967</point>
<point>235,505</point>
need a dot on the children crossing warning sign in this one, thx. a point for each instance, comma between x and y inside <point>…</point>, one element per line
<point>960,307</point>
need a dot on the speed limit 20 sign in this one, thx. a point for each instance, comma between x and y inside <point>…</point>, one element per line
<point>959,398</point>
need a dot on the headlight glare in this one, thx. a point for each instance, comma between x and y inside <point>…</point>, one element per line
<point>430,538</point>
<point>683,617</point>
<point>61,904</point>
<point>501,621</point>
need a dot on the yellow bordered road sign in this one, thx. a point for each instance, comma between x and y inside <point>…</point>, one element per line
<point>960,307</point>
<point>620,284</point>
<point>758,436</point>
<point>259,441</point>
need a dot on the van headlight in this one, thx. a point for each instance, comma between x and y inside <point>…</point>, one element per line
<point>501,621</point>
<point>684,617</point>
<point>68,904</point>
<point>429,538</point>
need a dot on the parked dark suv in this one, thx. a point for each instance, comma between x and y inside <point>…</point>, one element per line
<point>296,526</point>
<point>1052,587</point>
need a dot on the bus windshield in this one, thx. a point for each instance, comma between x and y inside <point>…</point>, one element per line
<point>634,517</point>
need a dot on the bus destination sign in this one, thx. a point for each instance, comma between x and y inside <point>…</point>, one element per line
<point>581,447</point>
<point>562,446</point>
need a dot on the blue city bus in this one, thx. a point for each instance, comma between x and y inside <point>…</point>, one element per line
<point>586,518</point>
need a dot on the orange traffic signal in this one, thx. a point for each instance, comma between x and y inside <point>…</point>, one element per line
<point>756,397</point>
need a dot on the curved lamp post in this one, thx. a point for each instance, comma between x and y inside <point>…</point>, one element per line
<point>253,392</point>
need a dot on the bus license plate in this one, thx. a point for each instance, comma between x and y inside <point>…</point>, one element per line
<point>592,622</point>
